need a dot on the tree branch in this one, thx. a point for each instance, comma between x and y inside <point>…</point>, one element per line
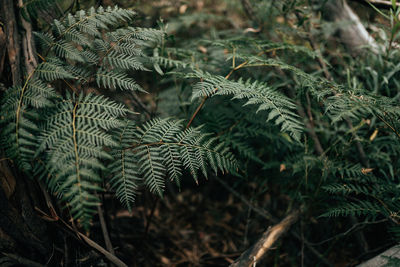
<point>265,214</point>
<point>268,239</point>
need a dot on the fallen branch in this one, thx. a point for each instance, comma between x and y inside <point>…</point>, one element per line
<point>73,232</point>
<point>104,230</point>
<point>265,243</point>
<point>265,214</point>
<point>55,218</point>
<point>100,249</point>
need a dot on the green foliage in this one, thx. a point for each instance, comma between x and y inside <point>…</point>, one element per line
<point>335,149</point>
<point>330,144</point>
<point>59,128</point>
<point>280,108</point>
<point>160,148</point>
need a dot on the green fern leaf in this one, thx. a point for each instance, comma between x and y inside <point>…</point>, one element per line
<point>73,138</point>
<point>114,79</point>
<point>280,108</point>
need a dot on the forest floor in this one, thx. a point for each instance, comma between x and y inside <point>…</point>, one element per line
<point>207,225</point>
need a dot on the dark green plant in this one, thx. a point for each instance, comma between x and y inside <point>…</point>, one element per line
<point>59,127</point>
<point>329,143</point>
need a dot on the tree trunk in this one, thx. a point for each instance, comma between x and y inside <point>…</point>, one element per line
<point>23,235</point>
<point>352,32</point>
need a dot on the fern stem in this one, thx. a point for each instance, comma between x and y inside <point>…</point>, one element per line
<point>20,105</point>
<point>388,125</point>
<point>76,148</point>
<point>206,97</point>
<point>123,172</point>
<point>71,87</point>
<point>197,111</point>
<point>152,169</point>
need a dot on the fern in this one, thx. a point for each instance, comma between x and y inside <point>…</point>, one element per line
<point>59,133</point>
<point>58,127</point>
<point>355,104</point>
<point>81,136</point>
<point>51,70</point>
<point>20,114</point>
<point>124,61</point>
<point>73,138</point>
<point>280,108</point>
<point>114,79</point>
<point>256,61</point>
<point>124,168</point>
<point>163,148</point>
<point>355,208</point>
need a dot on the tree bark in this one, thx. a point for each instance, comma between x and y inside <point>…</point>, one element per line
<point>22,233</point>
<point>12,37</point>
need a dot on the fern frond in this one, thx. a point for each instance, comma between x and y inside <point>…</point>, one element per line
<point>126,178</point>
<point>114,79</point>
<point>52,70</point>
<point>75,36</point>
<point>356,208</point>
<point>170,63</point>
<point>260,45</point>
<point>73,138</point>
<point>280,108</point>
<point>80,74</point>
<point>133,34</point>
<point>20,113</point>
<point>353,104</point>
<point>93,20</point>
<point>189,148</point>
<point>124,61</point>
<point>163,147</point>
<point>18,134</point>
<point>45,40</point>
<point>129,49</point>
<point>152,169</point>
<point>66,50</point>
<point>256,61</point>
<point>347,188</point>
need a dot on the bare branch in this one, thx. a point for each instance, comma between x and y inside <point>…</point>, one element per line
<point>265,243</point>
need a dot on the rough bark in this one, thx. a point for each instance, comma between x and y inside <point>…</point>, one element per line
<point>22,232</point>
<point>3,43</point>
<point>12,37</point>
